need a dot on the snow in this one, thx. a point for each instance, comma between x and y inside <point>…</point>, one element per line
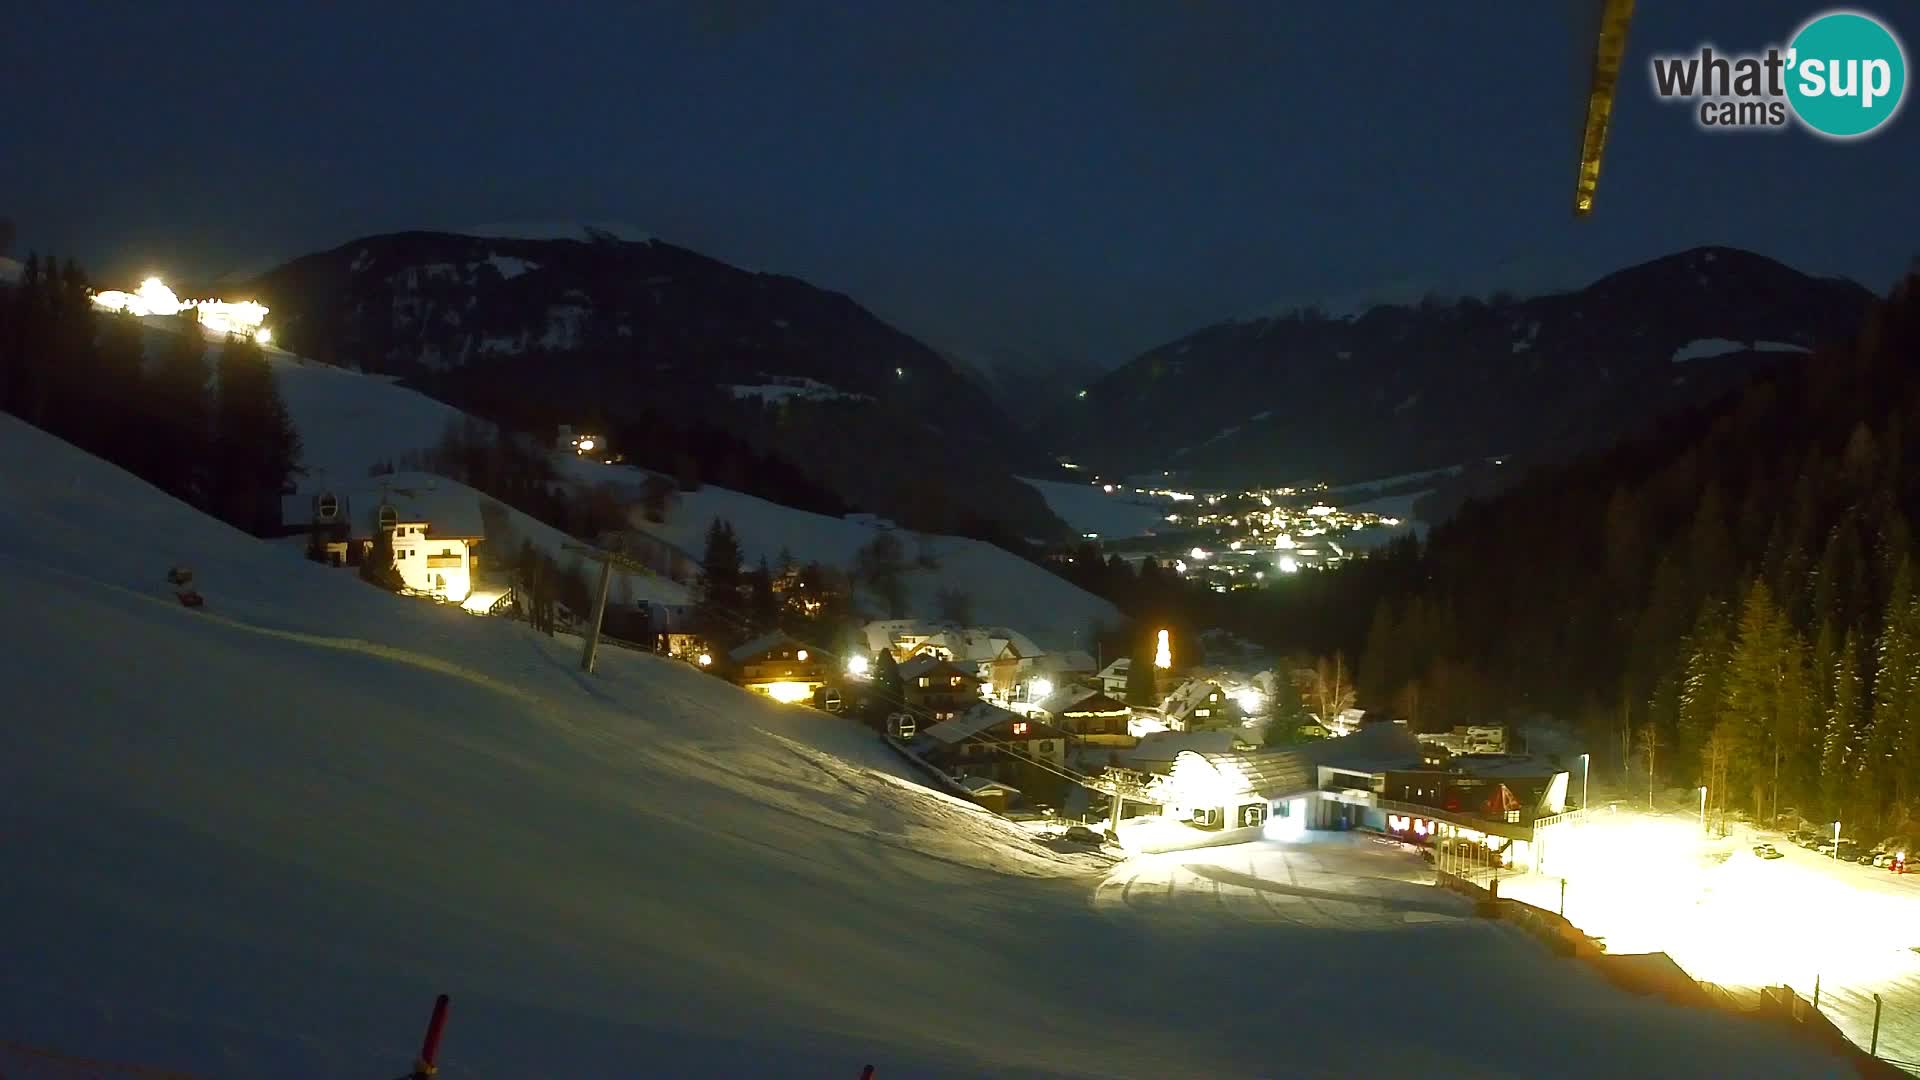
<point>555,230</point>
<point>258,838</point>
<point>787,388</point>
<point>1645,881</point>
<point>1709,348</point>
<point>1006,590</point>
<point>510,267</point>
<point>1087,509</point>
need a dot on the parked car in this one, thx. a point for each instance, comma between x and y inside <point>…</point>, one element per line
<point>1080,834</point>
<point>1806,838</point>
<point>1767,851</point>
<point>1867,858</point>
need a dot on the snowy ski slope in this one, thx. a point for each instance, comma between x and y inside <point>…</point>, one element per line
<point>255,840</point>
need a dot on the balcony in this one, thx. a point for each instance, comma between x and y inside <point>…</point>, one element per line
<point>445,562</point>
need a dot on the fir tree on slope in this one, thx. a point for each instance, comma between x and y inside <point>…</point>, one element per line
<point>377,566</point>
<point>255,447</point>
<point>719,609</point>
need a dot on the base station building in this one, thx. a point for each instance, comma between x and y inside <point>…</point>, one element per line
<point>1379,778</point>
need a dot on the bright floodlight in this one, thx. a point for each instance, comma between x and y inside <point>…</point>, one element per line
<point>706,660</point>
<point>801,656</point>
<point>856,664</point>
<point>586,444</point>
<point>789,693</point>
<point>1039,688</point>
<point>1163,652</point>
<point>1289,564</point>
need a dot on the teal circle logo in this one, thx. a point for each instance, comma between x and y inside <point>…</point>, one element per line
<point>1847,74</point>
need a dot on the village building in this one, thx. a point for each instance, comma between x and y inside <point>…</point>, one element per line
<point>1112,679</point>
<point>1199,704</point>
<point>1376,779</point>
<point>987,740</point>
<point>779,666</point>
<point>433,533</point>
<point>937,689</point>
<point>1089,716</point>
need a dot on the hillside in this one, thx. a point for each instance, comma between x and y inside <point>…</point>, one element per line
<point>350,421</point>
<point>641,339</point>
<point>256,839</point>
<point>1311,396</point>
<point>1734,593</point>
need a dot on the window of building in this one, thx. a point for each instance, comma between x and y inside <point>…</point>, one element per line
<point>1203,712</point>
<point>925,682</point>
<point>1020,727</point>
<point>954,681</point>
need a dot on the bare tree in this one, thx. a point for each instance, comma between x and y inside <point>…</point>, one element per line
<point>1333,694</point>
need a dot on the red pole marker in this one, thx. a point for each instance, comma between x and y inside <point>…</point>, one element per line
<point>866,1073</point>
<point>430,1046</point>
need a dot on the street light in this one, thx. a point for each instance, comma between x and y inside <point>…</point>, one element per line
<point>1836,841</point>
<point>1586,763</point>
<point>1703,808</point>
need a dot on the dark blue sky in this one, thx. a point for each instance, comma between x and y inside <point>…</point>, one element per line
<point>1082,179</point>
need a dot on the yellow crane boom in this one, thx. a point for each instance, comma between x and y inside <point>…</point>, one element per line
<point>1608,52</point>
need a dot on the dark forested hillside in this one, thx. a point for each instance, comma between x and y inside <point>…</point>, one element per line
<point>1734,596</point>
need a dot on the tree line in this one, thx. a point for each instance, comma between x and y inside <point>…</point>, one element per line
<point>218,437</point>
<point>1730,602</point>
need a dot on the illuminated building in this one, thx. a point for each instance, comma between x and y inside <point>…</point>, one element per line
<point>1377,779</point>
<point>780,667</point>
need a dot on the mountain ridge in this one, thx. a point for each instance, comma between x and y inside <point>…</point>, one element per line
<point>1281,399</point>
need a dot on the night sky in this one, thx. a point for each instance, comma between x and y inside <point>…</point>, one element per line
<point>1071,180</point>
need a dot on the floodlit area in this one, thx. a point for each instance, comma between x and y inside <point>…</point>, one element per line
<point>245,318</point>
<point>1646,882</point>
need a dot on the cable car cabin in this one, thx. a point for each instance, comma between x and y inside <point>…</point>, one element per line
<point>902,726</point>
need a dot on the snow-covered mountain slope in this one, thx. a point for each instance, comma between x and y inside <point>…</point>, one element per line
<point>1112,515</point>
<point>349,421</point>
<point>1004,589</point>
<point>256,839</point>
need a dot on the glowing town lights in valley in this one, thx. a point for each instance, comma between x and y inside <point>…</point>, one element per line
<point>1289,564</point>
<point>1108,488</point>
<point>1198,554</point>
<point>1163,652</point>
<point>1283,542</point>
<point>1319,510</point>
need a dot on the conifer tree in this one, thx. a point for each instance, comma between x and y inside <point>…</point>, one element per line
<point>1843,712</point>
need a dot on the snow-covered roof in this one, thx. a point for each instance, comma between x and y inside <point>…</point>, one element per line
<point>981,785</point>
<point>1167,745</point>
<point>927,663</point>
<point>416,500</point>
<point>1079,699</point>
<point>761,644</point>
<point>1073,661</point>
<point>1189,696</point>
<point>981,717</point>
<point>1118,669</point>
